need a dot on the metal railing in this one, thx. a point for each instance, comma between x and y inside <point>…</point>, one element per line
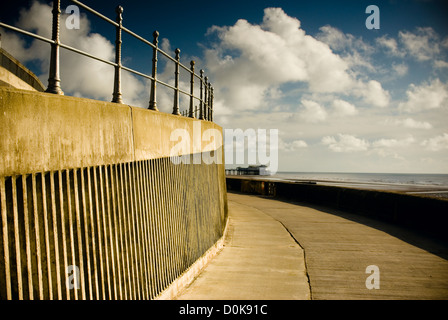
<point>129,229</point>
<point>206,95</point>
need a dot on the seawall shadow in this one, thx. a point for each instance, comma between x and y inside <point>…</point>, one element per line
<point>412,236</point>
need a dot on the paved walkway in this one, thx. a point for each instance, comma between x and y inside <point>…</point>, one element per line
<point>260,261</point>
<point>262,258</point>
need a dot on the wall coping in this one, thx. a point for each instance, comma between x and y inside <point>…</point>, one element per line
<point>45,132</point>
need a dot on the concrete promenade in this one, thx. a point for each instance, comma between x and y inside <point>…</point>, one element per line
<point>277,250</point>
<point>260,261</point>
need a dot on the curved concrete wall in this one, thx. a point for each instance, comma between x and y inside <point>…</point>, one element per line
<point>16,75</point>
<point>43,132</point>
<point>89,193</point>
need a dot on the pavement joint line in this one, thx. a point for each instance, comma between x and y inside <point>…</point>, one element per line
<point>304,257</point>
<point>291,235</point>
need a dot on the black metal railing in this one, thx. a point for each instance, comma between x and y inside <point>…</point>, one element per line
<point>205,97</point>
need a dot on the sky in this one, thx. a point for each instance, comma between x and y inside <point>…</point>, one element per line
<point>343,97</point>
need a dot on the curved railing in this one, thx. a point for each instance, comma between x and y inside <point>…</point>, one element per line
<point>205,97</point>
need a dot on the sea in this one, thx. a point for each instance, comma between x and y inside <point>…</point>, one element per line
<point>440,180</point>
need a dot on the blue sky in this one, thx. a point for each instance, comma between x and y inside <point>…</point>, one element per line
<point>344,98</point>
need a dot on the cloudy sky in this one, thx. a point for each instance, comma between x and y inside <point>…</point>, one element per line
<point>343,97</point>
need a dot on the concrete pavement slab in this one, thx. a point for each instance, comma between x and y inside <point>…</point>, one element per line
<point>259,261</point>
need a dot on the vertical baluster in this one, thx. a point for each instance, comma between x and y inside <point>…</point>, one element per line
<point>211,105</point>
<point>176,84</point>
<point>85,206</point>
<point>209,101</point>
<point>91,181</point>
<point>145,212</point>
<point>205,98</point>
<point>17,239</point>
<point>37,237</point>
<point>119,232</point>
<point>114,209</point>
<point>27,226</point>
<point>117,79</point>
<point>4,218</point>
<point>191,115</point>
<point>56,236</point>
<point>201,106</point>
<point>152,101</point>
<point>53,79</point>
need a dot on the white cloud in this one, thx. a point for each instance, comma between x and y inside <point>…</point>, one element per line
<point>413,124</point>
<point>312,112</point>
<point>440,64</point>
<point>423,44</point>
<point>299,144</point>
<point>391,46</point>
<point>335,38</point>
<point>393,143</point>
<point>345,143</point>
<point>292,146</point>
<point>400,69</point>
<point>437,143</point>
<point>444,42</point>
<point>250,59</point>
<point>390,147</point>
<point>427,96</point>
<point>373,93</point>
<point>343,108</point>
<point>353,50</point>
<point>340,41</point>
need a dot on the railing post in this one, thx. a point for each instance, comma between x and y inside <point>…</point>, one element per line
<point>209,100</point>
<point>205,98</point>
<point>152,100</point>
<point>176,84</point>
<point>116,97</point>
<point>201,104</point>
<point>53,79</point>
<point>211,105</point>
<point>191,115</point>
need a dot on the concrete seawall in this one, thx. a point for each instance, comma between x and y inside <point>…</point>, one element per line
<point>15,75</point>
<point>92,205</point>
<point>424,214</point>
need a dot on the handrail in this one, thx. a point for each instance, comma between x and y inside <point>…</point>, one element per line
<point>206,90</point>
